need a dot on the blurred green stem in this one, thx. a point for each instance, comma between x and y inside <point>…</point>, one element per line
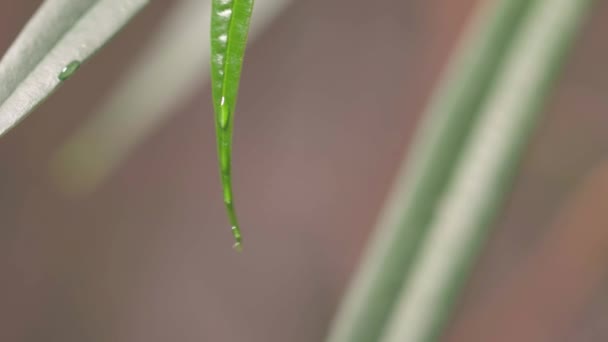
<point>454,107</point>
<point>485,170</point>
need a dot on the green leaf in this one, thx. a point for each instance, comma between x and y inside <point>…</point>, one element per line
<point>485,170</point>
<point>61,33</point>
<point>438,143</point>
<point>229,29</point>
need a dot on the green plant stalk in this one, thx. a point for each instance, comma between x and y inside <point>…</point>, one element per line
<point>453,109</point>
<point>229,28</point>
<point>485,171</point>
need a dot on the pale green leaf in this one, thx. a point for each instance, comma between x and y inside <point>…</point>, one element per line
<point>60,32</point>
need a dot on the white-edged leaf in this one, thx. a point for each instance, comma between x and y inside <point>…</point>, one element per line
<point>60,32</point>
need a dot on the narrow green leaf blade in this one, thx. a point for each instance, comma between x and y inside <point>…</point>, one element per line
<point>229,29</point>
<point>60,33</point>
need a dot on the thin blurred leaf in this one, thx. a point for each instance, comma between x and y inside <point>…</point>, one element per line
<point>59,33</point>
<point>139,104</point>
<point>485,170</point>
<point>438,144</point>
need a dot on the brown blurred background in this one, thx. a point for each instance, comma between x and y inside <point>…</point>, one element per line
<point>330,96</point>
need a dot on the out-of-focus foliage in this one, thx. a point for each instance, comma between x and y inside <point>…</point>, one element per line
<point>447,122</point>
<point>441,211</point>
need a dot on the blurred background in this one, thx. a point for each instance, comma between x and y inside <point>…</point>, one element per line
<point>330,95</point>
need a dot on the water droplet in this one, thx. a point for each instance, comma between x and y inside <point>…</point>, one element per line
<point>68,70</point>
<point>225,13</point>
<point>224,117</point>
<point>238,245</point>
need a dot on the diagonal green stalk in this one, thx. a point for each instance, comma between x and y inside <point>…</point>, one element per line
<point>229,28</point>
<point>485,170</point>
<point>453,109</point>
